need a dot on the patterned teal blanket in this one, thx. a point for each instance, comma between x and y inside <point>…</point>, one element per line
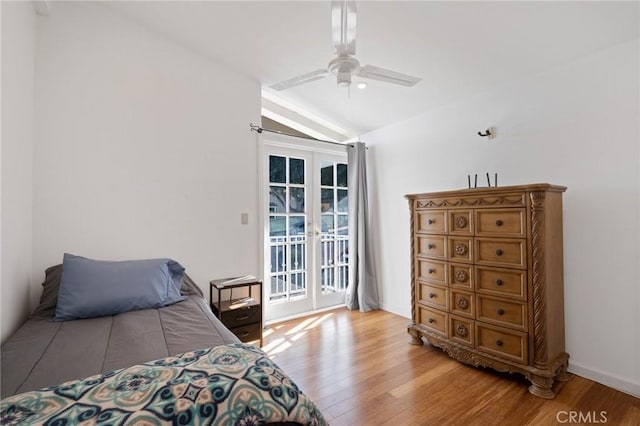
<point>235,384</point>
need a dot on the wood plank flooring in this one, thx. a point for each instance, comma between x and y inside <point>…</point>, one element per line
<point>360,370</point>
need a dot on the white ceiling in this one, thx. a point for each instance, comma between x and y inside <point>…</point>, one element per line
<point>457,48</point>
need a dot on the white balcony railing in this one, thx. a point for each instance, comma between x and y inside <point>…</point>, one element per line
<point>288,270</point>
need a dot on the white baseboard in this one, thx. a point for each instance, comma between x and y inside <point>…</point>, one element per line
<point>607,379</point>
<point>396,311</point>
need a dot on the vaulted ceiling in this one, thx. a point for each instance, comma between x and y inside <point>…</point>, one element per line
<point>458,48</point>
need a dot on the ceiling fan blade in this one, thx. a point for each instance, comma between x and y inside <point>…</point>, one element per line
<point>375,73</point>
<point>301,79</point>
<point>343,26</point>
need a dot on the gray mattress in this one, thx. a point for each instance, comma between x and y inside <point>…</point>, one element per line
<point>44,353</point>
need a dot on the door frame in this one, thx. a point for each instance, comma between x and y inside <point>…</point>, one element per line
<point>275,140</point>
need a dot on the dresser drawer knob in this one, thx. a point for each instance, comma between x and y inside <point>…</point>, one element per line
<point>500,311</point>
<point>430,246</point>
<point>499,282</point>
<point>431,320</point>
<point>243,334</point>
<point>242,318</point>
<point>431,295</point>
<point>431,221</point>
<point>499,252</point>
<point>431,271</point>
<point>499,342</point>
<point>499,222</point>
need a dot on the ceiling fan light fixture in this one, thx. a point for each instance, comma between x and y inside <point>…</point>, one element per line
<point>362,85</point>
<point>344,79</point>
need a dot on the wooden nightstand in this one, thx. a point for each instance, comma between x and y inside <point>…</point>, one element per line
<point>241,313</point>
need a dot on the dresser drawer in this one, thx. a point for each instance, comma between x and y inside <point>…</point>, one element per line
<point>501,282</point>
<point>433,246</point>
<point>501,222</point>
<point>431,222</point>
<point>460,249</point>
<point>502,342</point>
<point>461,276</point>
<point>241,316</point>
<point>462,303</point>
<point>434,296</point>
<point>433,320</point>
<point>502,312</point>
<point>460,222</point>
<point>432,271</point>
<point>248,333</point>
<point>461,330</point>
<point>501,252</point>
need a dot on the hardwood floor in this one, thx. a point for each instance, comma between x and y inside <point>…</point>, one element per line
<point>360,370</point>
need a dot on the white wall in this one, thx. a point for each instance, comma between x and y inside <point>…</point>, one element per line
<point>577,125</point>
<point>142,149</point>
<point>18,56</point>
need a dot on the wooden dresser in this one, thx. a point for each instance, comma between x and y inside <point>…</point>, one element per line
<point>486,282</point>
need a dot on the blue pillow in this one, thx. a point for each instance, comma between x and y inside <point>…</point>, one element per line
<point>93,288</point>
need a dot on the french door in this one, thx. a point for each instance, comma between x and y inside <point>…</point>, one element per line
<point>306,238</point>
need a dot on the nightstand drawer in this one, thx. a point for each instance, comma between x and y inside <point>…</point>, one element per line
<point>241,316</point>
<point>248,333</point>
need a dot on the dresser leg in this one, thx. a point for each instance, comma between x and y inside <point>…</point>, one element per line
<point>414,337</point>
<point>541,387</point>
<point>562,375</point>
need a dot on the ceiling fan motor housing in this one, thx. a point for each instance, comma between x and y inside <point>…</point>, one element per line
<point>344,66</point>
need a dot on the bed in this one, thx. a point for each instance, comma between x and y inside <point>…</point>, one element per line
<point>174,364</point>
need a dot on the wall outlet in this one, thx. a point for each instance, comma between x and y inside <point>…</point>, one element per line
<point>244,218</point>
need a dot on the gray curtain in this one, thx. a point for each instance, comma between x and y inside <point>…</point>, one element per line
<point>362,292</point>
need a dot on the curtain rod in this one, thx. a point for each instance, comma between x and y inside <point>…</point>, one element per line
<point>258,129</point>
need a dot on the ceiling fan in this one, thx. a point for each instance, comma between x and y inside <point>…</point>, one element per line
<point>345,65</point>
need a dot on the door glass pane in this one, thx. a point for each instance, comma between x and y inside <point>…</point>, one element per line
<point>277,169</point>
<point>328,248</point>
<point>296,200</point>
<point>327,223</point>
<point>326,196</point>
<point>296,227</point>
<point>278,287</point>
<point>298,256</point>
<point>277,226</point>
<point>343,206</point>
<point>278,260</point>
<point>326,173</point>
<point>298,285</point>
<point>342,175</point>
<point>343,224</point>
<point>277,199</point>
<point>296,171</point>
